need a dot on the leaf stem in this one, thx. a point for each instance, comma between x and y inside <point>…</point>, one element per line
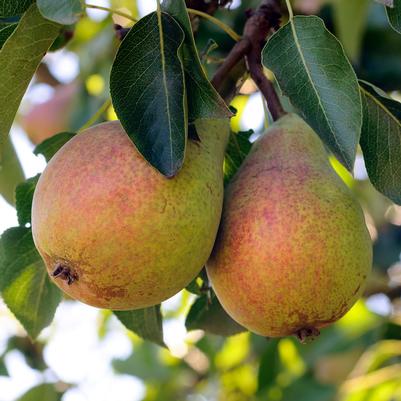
<point>97,115</point>
<point>290,12</point>
<point>230,32</point>
<point>111,10</point>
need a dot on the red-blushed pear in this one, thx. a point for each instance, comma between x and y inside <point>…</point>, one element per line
<point>113,232</point>
<point>293,252</point>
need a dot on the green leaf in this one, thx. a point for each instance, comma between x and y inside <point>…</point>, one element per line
<point>394,15</point>
<point>269,365</point>
<point>11,8</point>
<point>381,141</point>
<point>5,31</point>
<point>43,392</point>
<point>49,147</point>
<point>203,99</point>
<point>3,367</point>
<point>24,195</point>
<point>24,282</point>
<point>147,323</point>
<point>313,71</point>
<point>208,315</point>
<point>19,59</point>
<point>11,173</point>
<point>64,12</point>
<point>237,149</point>
<point>350,20</point>
<point>148,91</point>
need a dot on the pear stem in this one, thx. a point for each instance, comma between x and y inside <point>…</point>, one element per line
<point>261,22</point>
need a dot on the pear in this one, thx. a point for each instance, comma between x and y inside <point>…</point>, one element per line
<point>113,232</point>
<point>293,252</point>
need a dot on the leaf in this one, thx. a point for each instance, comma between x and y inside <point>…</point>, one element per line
<point>269,365</point>
<point>24,195</point>
<point>381,141</point>
<point>146,323</point>
<point>350,20</point>
<point>313,71</point>
<point>148,91</point>
<point>5,31</point>
<point>3,367</point>
<point>42,392</point>
<point>11,173</point>
<point>19,58</point>
<point>203,99</point>
<point>24,282</point>
<point>237,149</point>
<point>11,8</point>
<point>208,315</point>
<point>394,15</point>
<point>49,147</point>
<point>64,12</point>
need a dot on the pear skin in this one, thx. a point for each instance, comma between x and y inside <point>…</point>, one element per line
<point>293,252</point>
<point>114,233</point>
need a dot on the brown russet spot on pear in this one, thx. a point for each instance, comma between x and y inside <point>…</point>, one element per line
<point>293,252</point>
<point>113,232</point>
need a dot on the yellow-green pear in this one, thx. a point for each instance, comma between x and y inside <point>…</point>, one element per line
<point>293,252</point>
<point>113,232</point>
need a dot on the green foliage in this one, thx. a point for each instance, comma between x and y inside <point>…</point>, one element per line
<point>148,91</point>
<point>11,8</point>
<point>20,57</point>
<point>24,283</point>
<point>49,147</point>
<point>381,140</point>
<point>64,12</point>
<point>207,314</point>
<point>5,31</point>
<point>23,196</point>
<point>146,323</point>
<point>394,15</point>
<point>333,108</point>
<point>11,172</point>
<point>203,100</point>
<point>43,392</point>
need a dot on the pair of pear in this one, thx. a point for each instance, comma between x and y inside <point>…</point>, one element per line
<point>292,252</point>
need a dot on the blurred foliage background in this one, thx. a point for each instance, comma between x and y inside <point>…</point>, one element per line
<point>356,359</point>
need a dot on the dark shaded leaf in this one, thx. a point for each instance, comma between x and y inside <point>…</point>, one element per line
<point>3,368</point>
<point>49,147</point>
<point>24,282</point>
<point>19,59</point>
<point>5,31</point>
<point>148,91</point>
<point>146,323</point>
<point>208,315</point>
<point>203,99</point>
<point>11,8</point>
<point>313,71</point>
<point>64,12</point>
<point>381,141</point>
<point>23,196</point>
<point>237,149</point>
<point>394,15</point>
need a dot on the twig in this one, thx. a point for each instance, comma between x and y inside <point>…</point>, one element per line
<point>260,23</point>
<point>209,7</point>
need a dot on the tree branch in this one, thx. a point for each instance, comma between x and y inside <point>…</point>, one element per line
<point>257,28</point>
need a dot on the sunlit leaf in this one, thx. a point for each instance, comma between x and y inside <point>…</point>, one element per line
<point>19,59</point>
<point>24,283</point>
<point>42,392</point>
<point>23,196</point>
